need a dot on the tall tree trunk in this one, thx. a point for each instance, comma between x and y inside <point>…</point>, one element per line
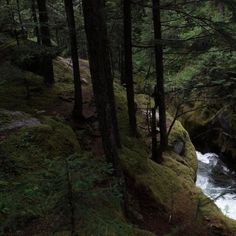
<point>35,19</point>
<point>100,68</point>
<point>78,105</point>
<point>57,36</point>
<point>160,91</point>
<point>46,41</point>
<point>111,94</point>
<point>154,134</point>
<point>129,67</point>
<point>13,23</point>
<point>19,16</point>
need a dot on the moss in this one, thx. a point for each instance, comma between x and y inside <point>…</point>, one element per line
<point>209,210</point>
<point>29,146</point>
<point>144,100</point>
<point>139,232</point>
<point>32,169</point>
<point>216,120</point>
<point>157,180</point>
<point>164,184</point>
<point>172,184</point>
<point>188,158</point>
<point>41,96</point>
<point>197,117</point>
<point>63,70</point>
<point>5,119</point>
<point>184,172</point>
<point>33,159</point>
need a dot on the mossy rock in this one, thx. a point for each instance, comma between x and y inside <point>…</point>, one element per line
<point>10,120</point>
<point>30,145</point>
<point>170,184</point>
<point>160,181</point>
<point>188,157</point>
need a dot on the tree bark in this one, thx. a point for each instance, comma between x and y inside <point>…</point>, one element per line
<point>154,134</point>
<point>13,23</point>
<point>78,104</point>
<point>129,67</point>
<point>70,198</point>
<point>46,41</point>
<point>19,16</point>
<point>160,91</point>
<point>100,68</point>
<point>35,19</point>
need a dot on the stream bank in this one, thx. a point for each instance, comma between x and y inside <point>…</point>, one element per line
<point>213,131</point>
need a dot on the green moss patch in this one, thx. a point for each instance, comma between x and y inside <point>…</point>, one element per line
<point>51,139</point>
<point>26,91</point>
<point>170,187</point>
<point>34,162</point>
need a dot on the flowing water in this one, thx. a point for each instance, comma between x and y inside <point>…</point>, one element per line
<point>217,182</point>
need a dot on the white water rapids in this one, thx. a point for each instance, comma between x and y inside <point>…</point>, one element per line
<point>217,182</point>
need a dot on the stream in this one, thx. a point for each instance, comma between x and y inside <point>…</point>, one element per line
<point>217,182</point>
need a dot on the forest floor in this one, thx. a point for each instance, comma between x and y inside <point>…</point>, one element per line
<point>55,102</point>
<point>154,182</point>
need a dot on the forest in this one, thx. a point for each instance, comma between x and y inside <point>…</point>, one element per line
<point>118,117</point>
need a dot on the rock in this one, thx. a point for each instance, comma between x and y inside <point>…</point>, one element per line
<point>10,120</point>
<point>178,145</point>
<point>84,81</point>
<point>40,112</point>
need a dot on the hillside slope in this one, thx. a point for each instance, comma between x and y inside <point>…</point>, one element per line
<point>54,177</point>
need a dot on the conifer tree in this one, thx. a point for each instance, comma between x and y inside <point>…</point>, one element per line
<point>78,103</point>
<point>46,41</point>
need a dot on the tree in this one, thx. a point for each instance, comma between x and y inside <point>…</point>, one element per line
<point>12,22</point>
<point>78,104</point>
<point>101,76</point>
<point>35,19</point>
<point>159,91</point>
<point>46,41</point>
<point>19,16</point>
<point>128,64</point>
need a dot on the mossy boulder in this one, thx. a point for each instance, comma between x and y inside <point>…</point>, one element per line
<point>33,157</point>
<point>10,120</point>
<point>47,140</point>
<point>166,194</point>
<point>161,181</point>
<point>31,160</point>
<point>169,189</point>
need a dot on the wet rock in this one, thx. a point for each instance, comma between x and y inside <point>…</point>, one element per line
<point>178,146</point>
<point>10,120</point>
